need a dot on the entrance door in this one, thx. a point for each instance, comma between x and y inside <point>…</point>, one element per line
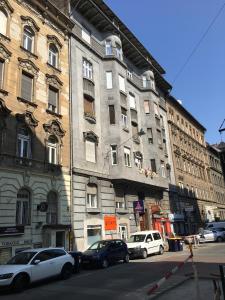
<point>60,239</point>
<point>123,232</point>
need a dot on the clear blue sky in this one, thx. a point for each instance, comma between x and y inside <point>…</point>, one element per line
<point>170,29</point>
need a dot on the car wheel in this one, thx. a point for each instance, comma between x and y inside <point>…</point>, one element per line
<point>66,272</point>
<point>219,239</point>
<point>126,259</point>
<point>161,250</point>
<point>20,283</point>
<point>144,254</point>
<point>105,263</point>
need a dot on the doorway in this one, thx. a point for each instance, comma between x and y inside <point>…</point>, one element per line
<point>60,239</point>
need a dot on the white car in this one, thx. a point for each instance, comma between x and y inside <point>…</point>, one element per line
<point>207,236</point>
<point>142,243</point>
<point>33,265</point>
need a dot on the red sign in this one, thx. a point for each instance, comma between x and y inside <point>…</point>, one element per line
<point>110,223</point>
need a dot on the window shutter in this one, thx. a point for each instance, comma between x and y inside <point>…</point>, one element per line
<point>1,71</point>
<point>26,87</point>
<point>52,96</point>
<point>90,151</point>
<point>88,106</point>
<point>112,114</point>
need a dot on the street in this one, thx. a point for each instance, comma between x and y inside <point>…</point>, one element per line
<point>126,281</point>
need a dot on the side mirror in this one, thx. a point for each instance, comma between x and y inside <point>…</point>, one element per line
<point>148,240</point>
<point>36,261</point>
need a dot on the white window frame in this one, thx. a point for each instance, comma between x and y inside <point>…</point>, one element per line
<point>93,145</point>
<point>127,157</point>
<point>138,162</point>
<point>53,57</point>
<point>123,231</point>
<point>86,35</point>
<point>119,52</point>
<point>163,171</point>
<point>23,139</point>
<point>87,69</point>
<point>3,22</point>
<point>23,214</point>
<point>28,35</point>
<point>52,148</point>
<point>114,152</point>
<point>108,47</point>
<point>92,201</point>
<point>122,84</point>
<point>124,120</point>
<point>120,204</point>
<point>132,101</point>
<point>109,80</point>
<point>144,81</point>
<point>130,74</point>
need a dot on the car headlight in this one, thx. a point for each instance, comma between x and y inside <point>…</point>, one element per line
<point>6,276</point>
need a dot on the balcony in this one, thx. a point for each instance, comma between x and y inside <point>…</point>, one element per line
<point>89,88</point>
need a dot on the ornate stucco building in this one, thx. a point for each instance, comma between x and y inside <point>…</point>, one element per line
<point>191,197</point>
<point>34,126</point>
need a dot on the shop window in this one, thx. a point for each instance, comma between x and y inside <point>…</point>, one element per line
<point>23,206</point>
<point>94,234</point>
<point>52,212</point>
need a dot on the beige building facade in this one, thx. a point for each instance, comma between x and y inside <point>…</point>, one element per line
<point>34,127</point>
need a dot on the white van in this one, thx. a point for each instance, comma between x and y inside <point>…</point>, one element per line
<point>214,225</point>
<point>142,243</point>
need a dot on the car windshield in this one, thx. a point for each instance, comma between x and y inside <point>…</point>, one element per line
<point>98,245</point>
<point>21,258</point>
<point>137,238</point>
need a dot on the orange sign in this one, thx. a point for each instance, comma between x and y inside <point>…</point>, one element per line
<point>110,222</point>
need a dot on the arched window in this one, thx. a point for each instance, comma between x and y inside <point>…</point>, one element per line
<point>52,150</point>
<point>53,55</point>
<point>23,206</point>
<point>28,38</point>
<point>23,143</point>
<point>3,22</point>
<point>52,212</point>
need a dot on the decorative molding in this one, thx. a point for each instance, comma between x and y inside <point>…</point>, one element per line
<point>4,52</point>
<point>53,39</point>
<point>30,22</point>
<point>54,127</point>
<point>138,154</point>
<point>90,135</point>
<point>53,80</point>
<point>28,66</point>
<point>4,111</point>
<point>4,4</point>
<point>28,119</point>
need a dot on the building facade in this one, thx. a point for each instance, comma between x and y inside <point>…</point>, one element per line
<point>34,127</point>
<point>191,197</point>
<point>122,164</point>
<point>217,186</point>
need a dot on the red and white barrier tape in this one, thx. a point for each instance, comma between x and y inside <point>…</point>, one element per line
<point>168,275</point>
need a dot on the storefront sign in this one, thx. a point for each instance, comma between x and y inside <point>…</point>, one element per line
<point>139,206</point>
<point>15,243</point>
<point>110,223</point>
<point>11,230</point>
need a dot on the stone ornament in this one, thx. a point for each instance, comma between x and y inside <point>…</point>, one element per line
<point>4,4</point>
<point>53,80</point>
<point>54,40</point>
<point>30,22</point>
<point>54,127</point>
<point>90,135</point>
<point>4,111</point>
<point>4,52</point>
<point>28,119</point>
<point>28,66</point>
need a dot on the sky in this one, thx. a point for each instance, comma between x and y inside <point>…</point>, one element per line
<point>170,29</point>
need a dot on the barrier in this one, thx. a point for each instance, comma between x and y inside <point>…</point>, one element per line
<point>169,274</point>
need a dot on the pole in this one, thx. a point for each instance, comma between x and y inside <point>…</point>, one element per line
<point>222,280</point>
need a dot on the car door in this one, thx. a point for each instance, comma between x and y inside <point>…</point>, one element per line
<point>121,249</point>
<point>45,268</point>
<point>59,259</point>
<point>209,236</point>
<point>149,244</point>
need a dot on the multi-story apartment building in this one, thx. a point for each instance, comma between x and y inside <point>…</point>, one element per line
<point>217,186</point>
<point>122,162</point>
<point>34,126</point>
<point>191,197</point>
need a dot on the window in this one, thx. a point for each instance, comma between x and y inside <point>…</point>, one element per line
<point>108,47</point>
<point>23,143</point>
<point>156,236</point>
<point>1,72</point>
<point>127,157</point>
<point>152,83</point>
<point>124,117</point>
<point>120,204</point>
<point>123,232</point>
<point>150,135</point>
<point>53,98</point>
<point>53,55</point>
<point>27,86</point>
<point>90,151</point>
<point>159,137</point>
<point>86,35</point>
<point>156,109</point>
<point>114,154</point>
<point>135,130</point>
<point>132,101</point>
<point>52,147</point>
<point>122,84</point>
<point>87,69</point>
<point>23,207</point>
<point>112,115</point>
<point>144,81</point>
<point>130,74</point>
<point>120,198</point>
<point>109,80</point>
<point>138,161</point>
<point>92,196</point>
<point>153,165</point>
<point>28,39</point>
<point>119,52</point>
<point>147,106</point>
<point>163,173</point>
<point>51,215</point>
<point>89,107</point>
<point>3,22</point>
<point>94,234</point>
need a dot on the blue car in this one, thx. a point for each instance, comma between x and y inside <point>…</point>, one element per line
<point>105,252</point>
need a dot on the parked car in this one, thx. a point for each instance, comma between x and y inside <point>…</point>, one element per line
<point>207,236</point>
<point>142,243</point>
<point>214,225</point>
<point>34,265</point>
<point>77,256</point>
<point>220,234</point>
<point>104,252</point>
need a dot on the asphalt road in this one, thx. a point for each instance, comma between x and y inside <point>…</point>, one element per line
<point>124,281</point>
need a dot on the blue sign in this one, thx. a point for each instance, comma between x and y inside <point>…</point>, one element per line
<point>139,206</point>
